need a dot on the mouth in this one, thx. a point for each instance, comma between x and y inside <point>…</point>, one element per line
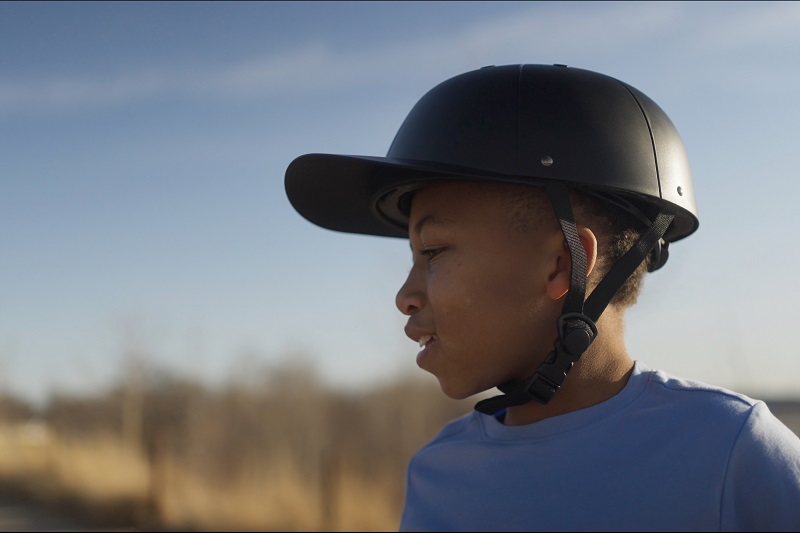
<point>425,339</point>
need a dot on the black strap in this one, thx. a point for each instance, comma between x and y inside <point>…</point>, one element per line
<point>576,325</point>
<point>559,197</point>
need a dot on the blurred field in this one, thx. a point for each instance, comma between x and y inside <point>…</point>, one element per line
<point>274,450</point>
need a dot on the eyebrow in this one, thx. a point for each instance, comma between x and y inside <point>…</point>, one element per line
<point>433,219</point>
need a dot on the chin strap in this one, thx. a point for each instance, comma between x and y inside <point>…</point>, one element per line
<point>576,325</point>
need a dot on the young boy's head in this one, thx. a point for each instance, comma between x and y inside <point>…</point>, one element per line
<point>521,190</point>
<point>489,273</point>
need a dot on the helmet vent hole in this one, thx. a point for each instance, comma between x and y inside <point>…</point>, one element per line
<point>547,160</point>
<point>680,191</point>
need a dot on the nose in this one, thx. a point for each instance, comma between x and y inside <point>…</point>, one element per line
<point>411,296</point>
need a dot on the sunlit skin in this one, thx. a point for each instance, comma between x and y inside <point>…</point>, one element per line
<point>491,297</point>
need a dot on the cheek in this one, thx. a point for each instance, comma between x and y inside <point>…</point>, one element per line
<point>453,297</point>
<point>487,321</point>
<point>483,302</point>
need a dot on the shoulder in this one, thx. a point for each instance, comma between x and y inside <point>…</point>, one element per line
<point>762,481</point>
<point>686,395</point>
<point>753,415</point>
<point>761,476</point>
<point>702,391</point>
<point>698,410</point>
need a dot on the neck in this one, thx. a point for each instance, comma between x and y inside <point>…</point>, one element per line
<point>602,371</point>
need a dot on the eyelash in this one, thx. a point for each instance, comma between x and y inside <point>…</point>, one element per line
<point>431,253</point>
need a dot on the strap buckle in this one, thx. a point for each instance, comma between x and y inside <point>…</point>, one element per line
<point>541,388</point>
<point>576,332</point>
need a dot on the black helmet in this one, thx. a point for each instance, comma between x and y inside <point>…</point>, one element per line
<point>546,125</point>
<point>519,123</point>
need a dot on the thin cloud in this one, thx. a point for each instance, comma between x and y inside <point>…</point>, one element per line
<point>79,92</point>
<point>572,29</point>
<point>764,24</point>
<point>271,75</point>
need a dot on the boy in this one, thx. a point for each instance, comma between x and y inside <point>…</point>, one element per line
<point>496,296</point>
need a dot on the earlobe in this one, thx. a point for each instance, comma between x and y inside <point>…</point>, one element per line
<point>558,281</point>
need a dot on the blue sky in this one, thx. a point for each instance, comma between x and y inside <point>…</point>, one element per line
<point>143,147</point>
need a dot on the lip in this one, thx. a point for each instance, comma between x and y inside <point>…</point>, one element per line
<point>427,352</point>
<point>416,332</point>
<point>425,334</point>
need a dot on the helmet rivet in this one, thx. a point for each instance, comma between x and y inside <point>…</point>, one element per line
<point>680,191</point>
<point>547,160</point>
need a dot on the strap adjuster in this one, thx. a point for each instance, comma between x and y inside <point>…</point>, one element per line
<point>576,332</point>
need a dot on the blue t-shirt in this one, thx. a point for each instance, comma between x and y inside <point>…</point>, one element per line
<point>663,454</point>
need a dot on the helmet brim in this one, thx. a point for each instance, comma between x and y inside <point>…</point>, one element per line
<point>369,195</point>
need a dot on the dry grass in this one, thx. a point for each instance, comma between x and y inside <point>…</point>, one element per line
<point>24,447</point>
<point>271,456</point>
<point>279,501</point>
<point>103,474</point>
<point>100,469</point>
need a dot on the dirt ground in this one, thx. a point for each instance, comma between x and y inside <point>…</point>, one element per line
<point>18,513</point>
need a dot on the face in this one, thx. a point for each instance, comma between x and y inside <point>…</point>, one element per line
<point>476,293</point>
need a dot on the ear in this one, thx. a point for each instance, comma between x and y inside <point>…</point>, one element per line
<point>558,280</point>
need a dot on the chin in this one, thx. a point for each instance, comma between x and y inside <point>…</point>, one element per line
<point>459,391</point>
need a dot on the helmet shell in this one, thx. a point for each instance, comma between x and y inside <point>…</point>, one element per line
<point>523,124</point>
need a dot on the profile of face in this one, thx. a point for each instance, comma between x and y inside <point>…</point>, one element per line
<point>480,295</point>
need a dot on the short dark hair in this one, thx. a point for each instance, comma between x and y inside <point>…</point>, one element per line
<point>615,228</point>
